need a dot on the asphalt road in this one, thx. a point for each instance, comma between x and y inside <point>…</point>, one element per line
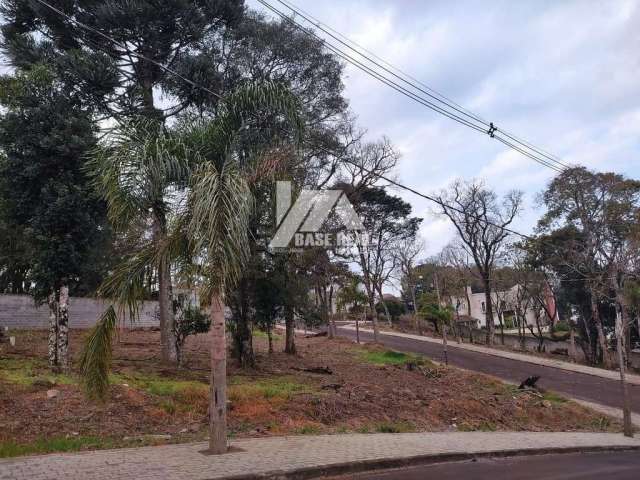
<point>583,466</point>
<point>577,385</point>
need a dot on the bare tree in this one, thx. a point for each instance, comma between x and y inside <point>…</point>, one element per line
<point>481,222</point>
<point>457,258</point>
<point>407,251</point>
<point>365,162</point>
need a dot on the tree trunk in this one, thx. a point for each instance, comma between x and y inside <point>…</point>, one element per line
<point>602,339</point>
<point>590,354</point>
<point>386,312</point>
<point>218,380</point>
<point>270,337</point>
<point>167,318</point>
<point>488,313</point>
<point>242,334</point>
<point>540,336</point>
<point>358,328</point>
<point>456,328</point>
<point>416,324</point>
<point>63,329</point>
<point>444,343</point>
<point>290,332</point>
<point>626,401</point>
<point>53,330</point>
<point>384,305</point>
<point>374,319</point>
<point>572,345</point>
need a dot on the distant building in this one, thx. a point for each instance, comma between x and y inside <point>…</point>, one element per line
<point>504,307</point>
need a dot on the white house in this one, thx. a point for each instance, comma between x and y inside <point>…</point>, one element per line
<point>504,304</point>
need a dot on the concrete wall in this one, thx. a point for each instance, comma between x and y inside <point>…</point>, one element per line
<point>19,312</point>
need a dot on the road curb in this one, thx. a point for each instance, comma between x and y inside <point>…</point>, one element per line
<point>417,460</point>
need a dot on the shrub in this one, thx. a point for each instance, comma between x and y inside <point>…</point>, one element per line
<point>189,321</point>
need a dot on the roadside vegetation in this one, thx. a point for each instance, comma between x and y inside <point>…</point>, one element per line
<point>370,390</point>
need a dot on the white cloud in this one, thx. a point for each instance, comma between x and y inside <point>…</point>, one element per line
<point>563,75</point>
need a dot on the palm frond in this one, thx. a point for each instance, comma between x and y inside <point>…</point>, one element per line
<point>221,203</point>
<point>136,167</point>
<point>125,285</point>
<point>95,360</point>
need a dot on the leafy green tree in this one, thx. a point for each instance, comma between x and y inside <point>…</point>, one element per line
<point>430,310</point>
<point>269,299</point>
<point>46,197</point>
<point>258,48</point>
<point>122,78</point>
<point>350,297</point>
<point>394,308</point>
<point>190,320</point>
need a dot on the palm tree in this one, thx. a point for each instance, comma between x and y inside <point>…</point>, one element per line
<point>214,222</point>
<point>219,209</point>
<point>141,171</point>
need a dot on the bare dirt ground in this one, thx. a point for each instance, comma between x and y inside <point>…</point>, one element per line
<point>370,389</point>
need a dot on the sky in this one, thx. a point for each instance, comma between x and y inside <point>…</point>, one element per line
<point>564,75</point>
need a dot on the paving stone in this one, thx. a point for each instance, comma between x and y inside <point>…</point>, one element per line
<point>264,455</point>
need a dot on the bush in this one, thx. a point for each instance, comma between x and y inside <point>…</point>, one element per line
<point>189,321</point>
<point>561,327</point>
<point>395,307</point>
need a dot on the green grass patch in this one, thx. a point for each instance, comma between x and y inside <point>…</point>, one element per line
<point>601,423</point>
<point>261,334</point>
<point>394,427</point>
<point>155,385</point>
<point>77,443</point>
<point>278,387</point>
<point>27,371</point>
<point>554,397</point>
<point>55,444</point>
<point>308,430</point>
<point>392,357</point>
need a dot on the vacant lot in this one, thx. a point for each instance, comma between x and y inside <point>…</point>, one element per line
<point>369,390</point>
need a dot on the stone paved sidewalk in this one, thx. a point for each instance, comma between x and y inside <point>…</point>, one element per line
<point>277,456</point>
<point>537,360</point>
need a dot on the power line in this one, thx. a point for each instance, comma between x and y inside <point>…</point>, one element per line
<point>526,148</point>
<point>365,169</point>
<point>338,52</point>
<point>378,76</point>
<point>318,23</point>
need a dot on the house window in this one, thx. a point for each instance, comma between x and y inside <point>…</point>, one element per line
<point>484,308</point>
<point>503,305</point>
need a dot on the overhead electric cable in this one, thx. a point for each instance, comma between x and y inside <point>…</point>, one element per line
<point>548,160</point>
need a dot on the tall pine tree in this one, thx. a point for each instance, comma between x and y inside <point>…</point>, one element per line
<point>45,135</point>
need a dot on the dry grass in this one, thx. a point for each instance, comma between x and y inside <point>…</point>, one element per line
<point>371,390</point>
